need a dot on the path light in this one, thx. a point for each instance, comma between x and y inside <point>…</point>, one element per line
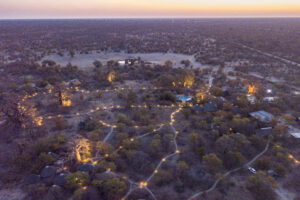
<point>95,162</point>
<point>177,151</point>
<point>154,130</point>
<point>177,132</point>
<point>155,171</point>
<point>106,155</point>
<point>132,139</point>
<point>49,117</point>
<point>97,108</point>
<point>114,126</point>
<point>143,184</point>
<point>120,147</point>
<point>163,160</point>
<point>77,114</point>
<point>91,110</point>
<point>108,169</point>
<point>84,187</point>
<point>136,127</point>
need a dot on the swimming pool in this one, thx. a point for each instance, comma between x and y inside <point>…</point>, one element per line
<point>184,98</point>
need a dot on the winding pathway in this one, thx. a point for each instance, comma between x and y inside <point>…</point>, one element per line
<point>229,172</point>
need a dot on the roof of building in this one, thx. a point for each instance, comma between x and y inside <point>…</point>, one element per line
<point>210,107</point>
<point>264,131</point>
<point>296,135</point>
<point>262,115</point>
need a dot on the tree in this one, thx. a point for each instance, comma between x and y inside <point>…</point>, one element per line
<point>97,64</point>
<point>77,180</point>
<point>155,146</point>
<point>193,138</point>
<point>233,159</point>
<point>186,63</point>
<point>182,167</point>
<point>113,188</point>
<point>165,81</point>
<point>212,162</point>
<point>263,164</point>
<point>72,53</point>
<point>131,99</point>
<point>216,91</point>
<point>105,165</point>
<point>280,170</point>
<point>186,79</point>
<point>168,65</point>
<point>162,177</point>
<point>261,186</point>
<point>242,101</point>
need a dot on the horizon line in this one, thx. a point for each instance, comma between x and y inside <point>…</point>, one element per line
<point>154,17</point>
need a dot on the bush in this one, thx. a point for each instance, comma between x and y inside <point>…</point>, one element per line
<point>37,192</point>
<point>43,160</point>
<point>22,161</point>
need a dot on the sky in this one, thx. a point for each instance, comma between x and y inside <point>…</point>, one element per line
<point>28,9</point>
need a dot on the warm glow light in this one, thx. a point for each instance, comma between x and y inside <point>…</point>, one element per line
<point>83,151</point>
<point>111,77</point>
<point>252,89</point>
<point>143,184</point>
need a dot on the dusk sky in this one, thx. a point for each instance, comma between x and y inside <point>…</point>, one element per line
<point>11,9</point>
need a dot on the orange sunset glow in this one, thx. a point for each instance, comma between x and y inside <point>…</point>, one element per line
<point>143,8</point>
